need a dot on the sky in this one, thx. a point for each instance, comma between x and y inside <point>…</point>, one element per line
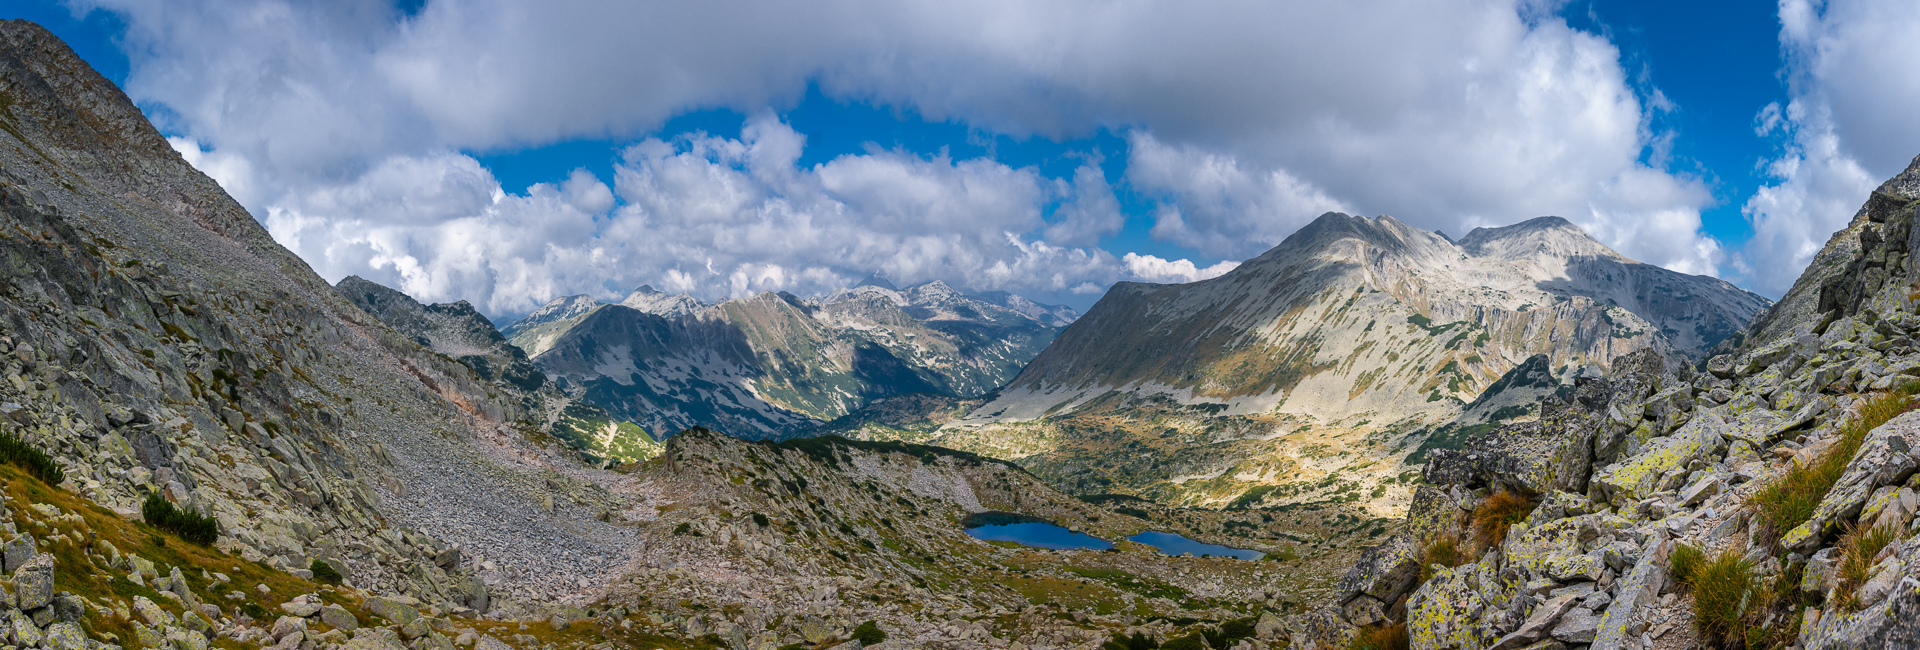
<point>509,152</point>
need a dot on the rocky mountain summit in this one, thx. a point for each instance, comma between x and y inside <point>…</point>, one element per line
<point>1767,501</point>
<point>774,364</point>
<point>1311,371</point>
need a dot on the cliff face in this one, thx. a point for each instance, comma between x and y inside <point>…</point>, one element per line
<point>1787,467</point>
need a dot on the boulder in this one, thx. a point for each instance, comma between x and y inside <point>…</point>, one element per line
<point>33,582</point>
<point>1363,610</point>
<point>286,625</point>
<point>339,618</point>
<point>1633,593</point>
<point>487,642</point>
<point>1538,623</point>
<point>1891,622</point>
<point>300,608</point>
<point>25,633</point>
<point>1433,513</point>
<point>64,636</point>
<point>1639,476</point>
<point>17,550</point>
<point>393,610</point>
<point>1578,625</point>
<point>1885,458</point>
<point>151,613</point>
<point>1384,572</point>
<point>1445,612</point>
<point>1707,487</point>
<point>1325,628</point>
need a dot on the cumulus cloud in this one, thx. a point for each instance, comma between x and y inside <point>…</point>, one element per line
<point>1244,120</point>
<point>1850,66</point>
<point>1149,268</point>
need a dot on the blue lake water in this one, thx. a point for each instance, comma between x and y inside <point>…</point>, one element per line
<point>1040,535</point>
<point>1172,544</point>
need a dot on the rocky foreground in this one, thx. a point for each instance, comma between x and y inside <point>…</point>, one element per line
<point>1765,502</point>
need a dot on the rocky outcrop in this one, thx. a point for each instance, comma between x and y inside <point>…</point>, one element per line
<point>1635,465</point>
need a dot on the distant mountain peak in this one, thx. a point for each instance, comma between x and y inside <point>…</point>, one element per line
<point>874,279</point>
<point>652,301</point>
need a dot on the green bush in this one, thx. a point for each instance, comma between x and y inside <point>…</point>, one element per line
<point>761,520</point>
<point>190,526</point>
<point>18,453</point>
<point>1138,641</point>
<point>1189,642</point>
<point>324,573</point>
<point>869,633</point>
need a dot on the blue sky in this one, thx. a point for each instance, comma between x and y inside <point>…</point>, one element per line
<point>506,153</point>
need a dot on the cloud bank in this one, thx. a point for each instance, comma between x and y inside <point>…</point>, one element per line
<point>339,125</point>
<point>1851,71</point>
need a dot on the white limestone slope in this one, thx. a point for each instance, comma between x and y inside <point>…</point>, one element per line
<point>1355,319</point>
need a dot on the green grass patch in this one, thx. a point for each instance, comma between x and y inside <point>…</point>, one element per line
<point>1857,551</point>
<point>1790,501</point>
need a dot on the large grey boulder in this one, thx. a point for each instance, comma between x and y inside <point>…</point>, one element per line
<point>17,550</point>
<point>1639,476</point>
<point>1892,622</point>
<point>33,583</point>
<point>1383,572</point>
<point>1633,593</point>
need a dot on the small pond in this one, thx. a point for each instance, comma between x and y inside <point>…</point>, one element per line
<point>1172,544</point>
<point>1028,530</point>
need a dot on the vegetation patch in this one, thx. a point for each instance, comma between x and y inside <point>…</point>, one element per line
<point>1790,501</point>
<point>1724,592</point>
<point>190,526</point>
<point>1857,551</point>
<point>1443,551</point>
<point>324,573</point>
<point>1499,513</point>
<point>1380,637</point>
<point>16,452</point>
<point>996,518</point>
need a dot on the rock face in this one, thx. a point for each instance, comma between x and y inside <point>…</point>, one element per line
<point>155,339</point>
<point>1354,338</point>
<point>772,365</point>
<point>1630,467</point>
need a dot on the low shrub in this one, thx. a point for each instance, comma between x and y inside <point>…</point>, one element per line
<point>1499,513</point>
<point>1189,642</point>
<point>16,452</point>
<point>1789,501</point>
<point>1380,637</point>
<point>869,633</point>
<point>325,573</point>
<point>761,520</point>
<point>189,525</point>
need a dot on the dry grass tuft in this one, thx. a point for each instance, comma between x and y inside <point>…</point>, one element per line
<point>1444,551</point>
<point>1724,591</point>
<point>1381,637</point>
<point>1857,550</point>
<point>1497,514</point>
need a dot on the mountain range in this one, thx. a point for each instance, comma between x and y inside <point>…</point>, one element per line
<point>1313,370</point>
<point>207,445</point>
<point>773,364</point>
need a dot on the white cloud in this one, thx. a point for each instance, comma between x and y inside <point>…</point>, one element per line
<point>1148,268</point>
<point>1246,119</point>
<point>1853,68</point>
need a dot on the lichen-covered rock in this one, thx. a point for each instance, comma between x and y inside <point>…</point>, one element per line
<point>487,642</point>
<point>1554,452</point>
<point>1577,626</point>
<point>1432,514</point>
<point>33,582</point>
<point>1446,611</point>
<point>339,618</point>
<point>1638,477</point>
<point>25,633</point>
<point>1891,622</point>
<point>394,611</point>
<point>1383,572</point>
<point>1538,623</point>
<point>64,636</point>
<point>1325,628</point>
<point>1633,593</point>
<point>1561,549</point>
<point>1886,458</point>
<point>17,550</point>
